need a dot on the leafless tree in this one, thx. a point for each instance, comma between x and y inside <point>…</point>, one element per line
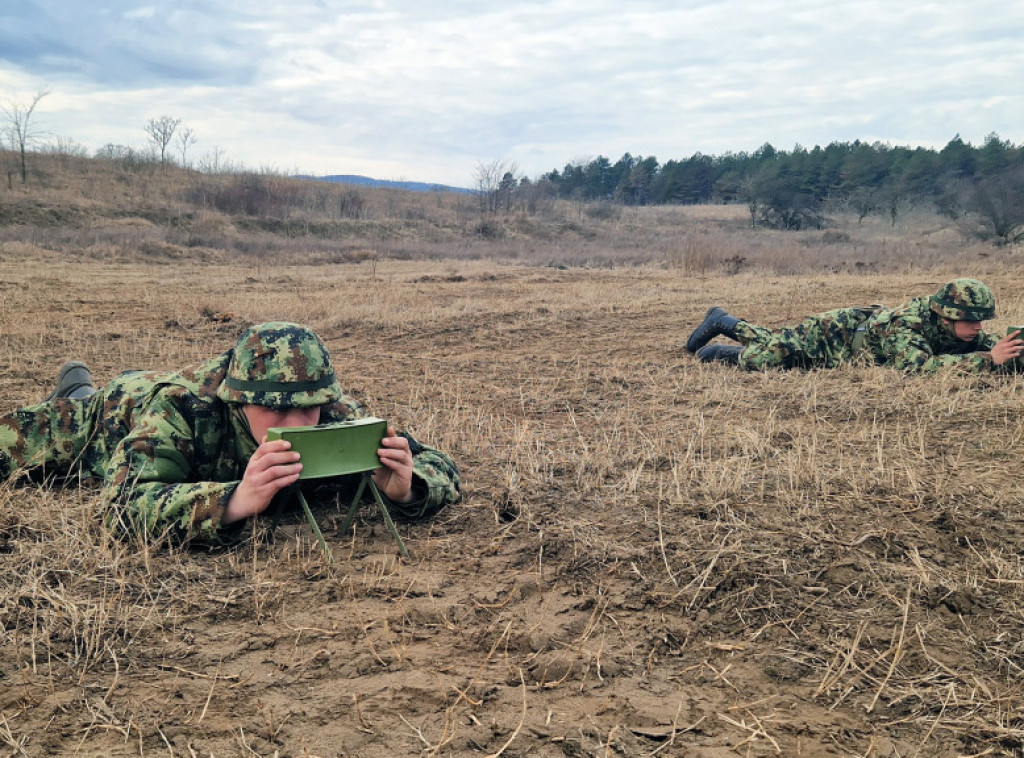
<point>21,132</point>
<point>536,196</point>
<point>495,184</point>
<point>998,202</point>
<point>750,193</point>
<point>186,138</point>
<point>161,132</point>
<point>213,161</point>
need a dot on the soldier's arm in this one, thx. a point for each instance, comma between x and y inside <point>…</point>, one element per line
<point>150,486</point>
<point>909,351</point>
<point>972,363</point>
<point>987,341</point>
<point>435,483</point>
<point>1006,352</point>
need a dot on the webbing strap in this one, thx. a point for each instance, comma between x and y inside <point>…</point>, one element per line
<point>859,335</point>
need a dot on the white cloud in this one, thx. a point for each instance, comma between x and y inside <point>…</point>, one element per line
<point>427,91</point>
<point>145,11</point>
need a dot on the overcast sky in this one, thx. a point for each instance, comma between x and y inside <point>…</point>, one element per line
<point>427,90</point>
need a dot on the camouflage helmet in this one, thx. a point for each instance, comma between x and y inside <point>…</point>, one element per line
<point>280,365</point>
<point>964,300</point>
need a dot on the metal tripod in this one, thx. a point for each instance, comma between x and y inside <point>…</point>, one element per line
<point>367,479</point>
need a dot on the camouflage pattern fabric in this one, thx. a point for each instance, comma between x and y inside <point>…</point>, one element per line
<point>964,299</point>
<point>280,365</point>
<point>822,341</point>
<point>911,337</point>
<point>169,453</point>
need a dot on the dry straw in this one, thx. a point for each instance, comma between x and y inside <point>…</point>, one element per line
<point>653,556</point>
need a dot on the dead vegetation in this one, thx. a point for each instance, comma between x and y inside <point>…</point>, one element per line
<point>654,557</point>
<point>137,211</point>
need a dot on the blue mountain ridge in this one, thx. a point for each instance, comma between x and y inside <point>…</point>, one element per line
<point>366,181</point>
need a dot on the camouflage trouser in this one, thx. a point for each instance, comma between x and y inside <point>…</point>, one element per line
<point>71,437</point>
<point>821,341</point>
<point>50,438</point>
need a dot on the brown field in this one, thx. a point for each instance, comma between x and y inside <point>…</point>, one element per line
<point>653,557</point>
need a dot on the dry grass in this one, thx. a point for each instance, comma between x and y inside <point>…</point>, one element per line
<point>654,557</point>
<point>90,210</point>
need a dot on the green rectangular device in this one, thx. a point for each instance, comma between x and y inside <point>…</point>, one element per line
<point>1011,329</point>
<point>342,447</point>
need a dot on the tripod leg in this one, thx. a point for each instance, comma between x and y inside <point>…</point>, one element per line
<point>387,519</point>
<point>316,528</point>
<point>347,523</point>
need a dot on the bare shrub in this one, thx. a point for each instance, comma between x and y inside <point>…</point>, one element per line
<point>835,237</point>
<point>489,227</point>
<point>606,211</point>
<point>350,204</point>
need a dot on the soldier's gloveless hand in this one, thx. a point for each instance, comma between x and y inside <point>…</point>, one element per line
<point>270,469</point>
<point>394,477</point>
<point>1008,348</point>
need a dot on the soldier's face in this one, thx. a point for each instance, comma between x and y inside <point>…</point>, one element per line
<point>261,418</point>
<point>966,330</point>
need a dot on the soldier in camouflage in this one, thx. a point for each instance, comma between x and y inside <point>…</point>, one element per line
<point>185,454</point>
<point>926,334</point>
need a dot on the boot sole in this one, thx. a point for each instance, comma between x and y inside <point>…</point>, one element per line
<point>63,391</point>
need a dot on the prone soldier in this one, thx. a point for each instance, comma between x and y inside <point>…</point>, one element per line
<point>925,334</point>
<point>185,454</point>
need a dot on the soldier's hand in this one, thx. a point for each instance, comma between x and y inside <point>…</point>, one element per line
<point>394,478</point>
<point>270,469</point>
<point>1008,348</point>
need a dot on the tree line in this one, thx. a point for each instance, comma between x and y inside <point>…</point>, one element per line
<point>792,189</point>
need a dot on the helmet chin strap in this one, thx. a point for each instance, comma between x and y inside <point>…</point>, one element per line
<point>242,418</point>
<point>947,324</point>
<point>241,422</point>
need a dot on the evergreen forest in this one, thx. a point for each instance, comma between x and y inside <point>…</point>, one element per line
<point>795,189</point>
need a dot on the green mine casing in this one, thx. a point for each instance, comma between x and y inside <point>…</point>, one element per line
<point>344,447</point>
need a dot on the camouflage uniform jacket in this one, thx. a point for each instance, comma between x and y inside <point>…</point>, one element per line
<point>912,337</point>
<point>170,453</point>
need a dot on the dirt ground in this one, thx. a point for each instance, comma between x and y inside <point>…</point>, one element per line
<point>652,556</point>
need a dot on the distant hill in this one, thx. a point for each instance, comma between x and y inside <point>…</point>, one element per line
<point>366,181</point>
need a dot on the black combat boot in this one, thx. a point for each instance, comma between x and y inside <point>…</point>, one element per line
<point>724,353</point>
<point>716,321</point>
<point>74,381</point>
